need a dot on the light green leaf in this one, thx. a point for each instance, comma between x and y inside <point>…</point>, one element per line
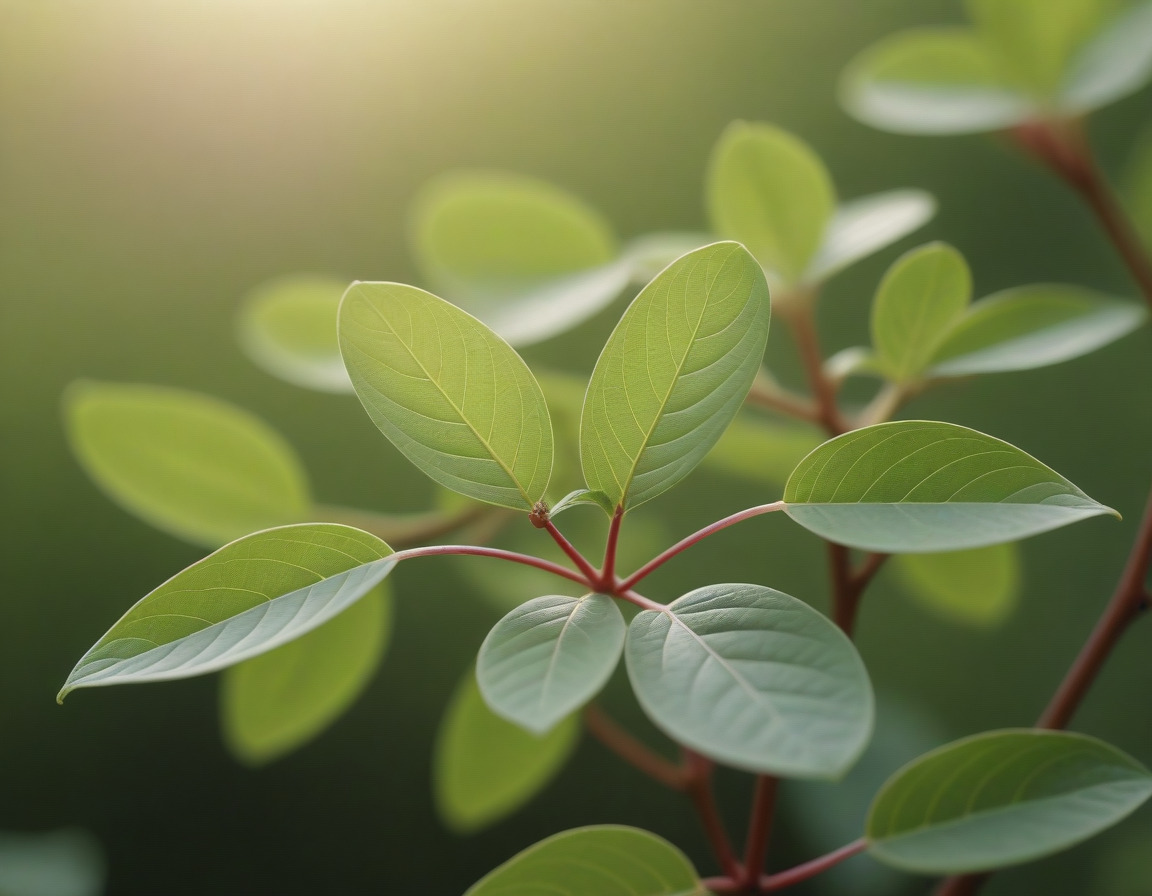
<point>761,451</point>
<point>486,768</point>
<point>606,860</point>
<point>449,393</point>
<point>917,486</point>
<point>674,373</point>
<point>245,599</point>
<point>1001,798</point>
<point>193,466</point>
<point>978,587</point>
<point>1033,326</point>
<point>549,657</point>
<point>583,496</point>
<point>67,862</point>
<point>768,190</point>
<point>649,254</point>
<point>752,678</point>
<point>280,700</point>
<point>288,327</point>
<point>1116,62</point>
<point>919,300</point>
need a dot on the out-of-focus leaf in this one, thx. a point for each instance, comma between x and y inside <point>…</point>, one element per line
<point>564,394</point>
<point>649,254</point>
<point>60,863</point>
<point>979,587</point>
<point>1117,61</point>
<point>761,451</point>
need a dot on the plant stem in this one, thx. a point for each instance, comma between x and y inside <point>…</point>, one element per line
<point>700,790</point>
<point>403,529</point>
<point>767,394</point>
<point>498,553</point>
<point>636,753</point>
<point>574,555</point>
<point>802,322</point>
<point>848,583</point>
<point>608,572</point>
<point>783,879</point>
<point>759,828</point>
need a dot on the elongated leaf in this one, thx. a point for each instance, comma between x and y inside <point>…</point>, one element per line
<point>674,373</point>
<point>66,862</point>
<point>288,328</point>
<point>486,768</point>
<point>549,657</point>
<point>1001,798</point>
<point>753,678</point>
<point>980,586</point>
<point>1114,63</point>
<point>245,599</point>
<point>607,860</point>
<point>193,466</point>
<point>280,700</point>
<point>448,392</point>
<point>770,191</point>
<point>761,451</point>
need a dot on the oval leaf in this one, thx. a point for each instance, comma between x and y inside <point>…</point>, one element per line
<point>277,702</point>
<point>549,657</point>
<point>67,862</point>
<point>674,373</point>
<point>753,678</point>
<point>193,466</point>
<point>448,392</point>
<point>979,587</point>
<point>245,599</point>
<point>607,860</point>
<point>918,486</point>
<point>1116,62</point>
<point>1001,798</point>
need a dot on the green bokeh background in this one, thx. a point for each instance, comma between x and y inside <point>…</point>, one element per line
<point>158,160</point>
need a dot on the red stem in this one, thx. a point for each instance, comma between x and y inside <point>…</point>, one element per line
<point>759,828</point>
<point>803,325</point>
<point>608,573</point>
<point>700,790</point>
<point>783,879</point>
<point>498,553</point>
<point>574,555</point>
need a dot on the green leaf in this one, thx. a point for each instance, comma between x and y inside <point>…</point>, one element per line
<point>245,599</point>
<point>978,587</point>
<point>1116,62</point>
<point>768,190</point>
<point>917,486</point>
<point>486,768</point>
<point>583,496</point>
<point>280,700</point>
<point>761,451</point>
<point>606,860</point>
<point>66,862</point>
<point>1001,798</point>
<point>1032,326</point>
<point>674,373</point>
<point>919,300</point>
<point>752,678</point>
<point>449,393</point>
<point>193,466</point>
<point>549,657</point>
<point>287,327</point>
<point>649,254</point>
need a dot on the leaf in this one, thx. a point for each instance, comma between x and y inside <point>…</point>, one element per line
<point>66,862</point>
<point>919,300</point>
<point>549,657</point>
<point>287,327</point>
<point>486,768</point>
<point>770,191</point>
<point>1001,798</point>
<point>280,700</point>
<point>674,373</point>
<point>606,860</point>
<point>451,395</point>
<point>245,599</point>
<point>582,496</point>
<point>193,466</point>
<point>1033,326</point>
<point>917,486</point>
<point>1116,62</point>
<point>978,587</point>
<point>754,679</point>
<point>866,225</point>
<point>649,254</point>
<point>761,451</point>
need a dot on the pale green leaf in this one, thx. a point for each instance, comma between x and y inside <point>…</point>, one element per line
<point>980,586</point>
<point>245,599</point>
<point>582,496</point>
<point>761,451</point>
<point>649,254</point>
<point>1116,62</point>
<point>1001,798</point>
<point>917,486</point>
<point>768,190</point>
<point>67,862</point>
<point>549,657</point>
<point>674,373</point>
<point>486,768</point>
<point>280,700</point>
<point>606,860</point>
<point>754,679</point>
<point>449,393</point>
<point>196,467</point>
<point>288,327</point>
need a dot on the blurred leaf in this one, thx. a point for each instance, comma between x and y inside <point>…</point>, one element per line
<point>548,657</point>
<point>917,486</point>
<point>193,466</point>
<point>60,863</point>
<point>1001,798</point>
<point>245,599</point>
<point>279,701</point>
<point>451,395</point>
<point>754,679</point>
<point>979,587</point>
<point>649,254</point>
<point>674,373</point>
<point>1116,62</point>
<point>486,768</point>
<point>762,451</point>
<point>564,395</point>
<point>607,860</point>
<point>288,327</point>
<point>768,190</point>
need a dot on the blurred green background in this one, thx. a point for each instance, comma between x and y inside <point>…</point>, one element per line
<point>158,160</point>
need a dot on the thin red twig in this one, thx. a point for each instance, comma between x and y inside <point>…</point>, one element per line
<point>574,555</point>
<point>759,828</point>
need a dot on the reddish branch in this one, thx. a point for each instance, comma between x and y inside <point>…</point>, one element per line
<point>633,751</point>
